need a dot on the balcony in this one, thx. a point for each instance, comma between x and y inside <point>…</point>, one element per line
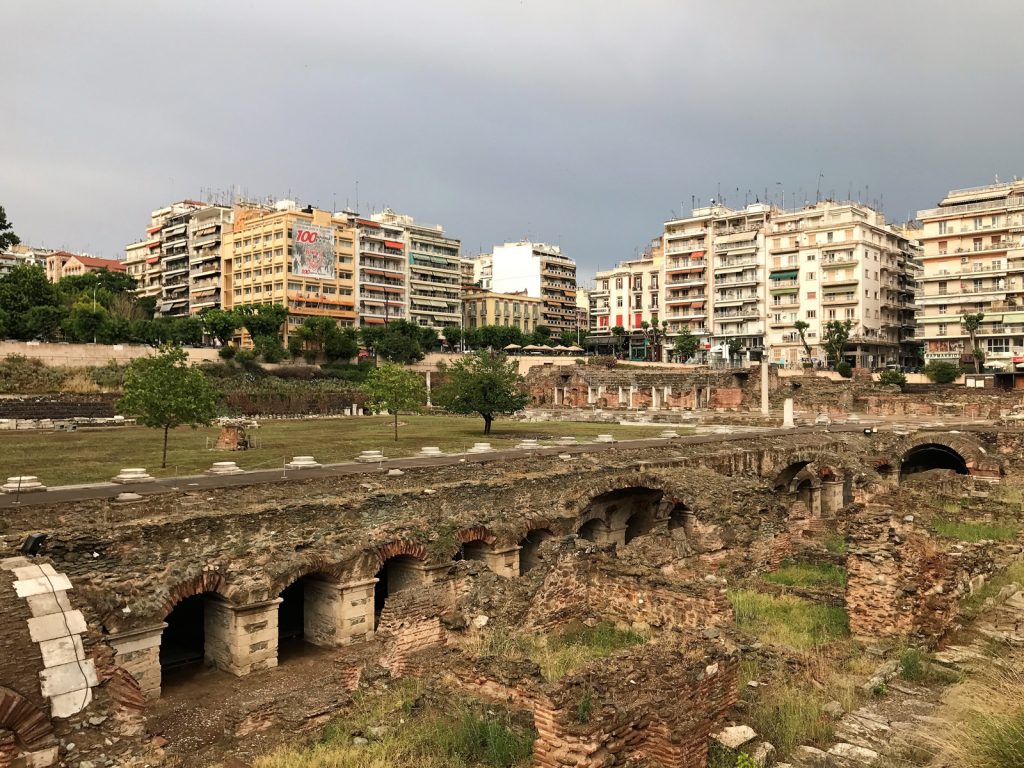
<point>691,247</point>
<point>791,301</point>
<point>738,280</point>
<point>988,205</point>
<point>840,280</point>
<point>683,282</point>
<point>777,284</point>
<point>743,245</point>
<point>838,260</point>
<point>839,298</point>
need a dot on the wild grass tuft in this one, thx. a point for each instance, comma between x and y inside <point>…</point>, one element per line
<point>972,531</point>
<point>789,621</point>
<point>808,575</point>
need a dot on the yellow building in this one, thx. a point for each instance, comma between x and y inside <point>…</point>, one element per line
<point>480,308</point>
<point>301,259</point>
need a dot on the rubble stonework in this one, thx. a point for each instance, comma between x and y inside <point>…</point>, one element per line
<point>901,582</point>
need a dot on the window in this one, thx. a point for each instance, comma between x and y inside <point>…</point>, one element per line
<point>998,345</point>
<point>810,275</point>
<point>810,257</point>
<point>812,314</point>
<point>618,283</point>
<point>849,314</point>
<point>943,247</point>
<point>829,237</point>
<point>943,227</point>
<point>831,314</point>
<point>977,222</point>
<point>618,301</point>
<point>812,294</point>
<point>943,288</point>
<point>976,243</point>
<point>604,285</point>
<point>638,283</point>
<point>943,308</point>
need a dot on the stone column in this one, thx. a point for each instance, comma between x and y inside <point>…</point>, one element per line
<point>666,394</point>
<point>632,389</point>
<point>555,401</point>
<point>696,398</point>
<point>831,496</point>
<point>428,390</point>
<point>814,501</point>
<point>590,395</point>
<point>787,413</point>
<point>764,387</point>
<point>138,651</point>
<point>504,562</point>
<point>241,638</point>
<point>620,398</point>
<point>337,614</point>
<point>654,398</point>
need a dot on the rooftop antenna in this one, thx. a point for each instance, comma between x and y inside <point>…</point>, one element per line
<point>357,195</point>
<point>817,193</point>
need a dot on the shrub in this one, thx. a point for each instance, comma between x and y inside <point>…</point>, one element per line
<point>808,575</point>
<point>602,361</point>
<point>844,369</point>
<point>29,376</point>
<point>893,377</point>
<point>227,352</point>
<point>269,348</point>
<point>942,371</point>
<point>787,620</point>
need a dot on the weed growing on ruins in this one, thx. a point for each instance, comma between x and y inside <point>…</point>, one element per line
<point>835,543</point>
<point>789,621</point>
<point>399,727</point>
<point>968,531</point>
<point>1010,495</point>
<point>788,717</point>
<point>917,667</point>
<point>808,575</point>
<point>584,708</point>
<point>1013,573</point>
<point>720,757</point>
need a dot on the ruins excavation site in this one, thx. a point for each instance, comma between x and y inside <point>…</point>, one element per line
<point>839,595</point>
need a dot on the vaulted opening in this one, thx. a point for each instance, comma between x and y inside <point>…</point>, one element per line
<point>395,575</point>
<point>183,642</point>
<point>529,549</point>
<point>932,456</point>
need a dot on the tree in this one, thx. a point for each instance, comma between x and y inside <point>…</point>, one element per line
<point>897,378</point>
<point>400,341</point>
<point>972,323</point>
<point>483,382</point>
<point>453,336</point>
<point>42,322</point>
<point>187,330</point>
<point>22,289</point>
<point>163,392</point>
<point>834,339</point>
<point>686,344</point>
<point>83,323</point>
<point>262,320</point>
<point>801,327</point>
<point>541,334</point>
<point>735,348</point>
<point>392,388</point>
<point>942,371</point>
<point>7,237</point>
<point>619,336</point>
<point>221,324</point>
<point>342,345</point>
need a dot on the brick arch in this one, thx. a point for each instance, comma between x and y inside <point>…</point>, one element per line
<point>29,724</point>
<point>476,533</point>
<point>398,548</point>
<point>816,461</point>
<point>207,581</point>
<point>970,450</point>
<point>308,565</point>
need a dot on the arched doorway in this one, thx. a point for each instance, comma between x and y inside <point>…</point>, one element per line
<point>680,516</point>
<point>472,550</point>
<point>183,642</point>
<point>595,530</point>
<point>529,549</point>
<point>298,614</point>
<point>932,456</point>
<point>784,479</point>
<point>397,574</point>
<point>638,524</point>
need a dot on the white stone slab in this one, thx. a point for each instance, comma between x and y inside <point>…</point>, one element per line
<point>65,678</point>
<point>43,605</point>
<point>56,625</point>
<point>62,650</point>
<point>41,758</point>
<point>33,571</point>
<point>42,585</point>
<point>735,736</point>
<point>68,704</point>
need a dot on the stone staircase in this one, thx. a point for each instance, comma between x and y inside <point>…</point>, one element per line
<point>886,728</point>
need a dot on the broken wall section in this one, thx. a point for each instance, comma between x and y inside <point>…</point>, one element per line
<point>901,582</point>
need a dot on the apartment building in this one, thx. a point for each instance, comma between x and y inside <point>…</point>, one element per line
<point>483,271</point>
<point>23,255</point>
<point>715,286</point>
<point>382,287</point>
<point>160,262</point>
<point>973,261</point>
<point>207,228</point>
<point>481,307</point>
<point>628,295</point>
<point>466,269</point>
<point>836,262</point>
<point>541,270</point>
<point>302,259</point>
<point>434,271</point>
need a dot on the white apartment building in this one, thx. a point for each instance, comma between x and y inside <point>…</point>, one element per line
<point>714,281</point>
<point>382,272</point>
<point>541,270</point>
<point>837,262</point>
<point>23,255</point>
<point>206,230</point>
<point>973,261</point>
<point>434,271</point>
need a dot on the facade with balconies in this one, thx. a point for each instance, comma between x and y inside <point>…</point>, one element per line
<point>973,262</point>
<point>840,261</point>
<point>206,229</point>
<point>540,270</point>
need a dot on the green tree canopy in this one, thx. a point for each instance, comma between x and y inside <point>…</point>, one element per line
<point>482,382</point>
<point>972,324</point>
<point>83,323</point>
<point>399,341</point>
<point>164,392</point>
<point>942,371</point>
<point>262,320</point>
<point>21,290</point>
<point>801,327</point>
<point>221,324</point>
<point>321,335</point>
<point>686,344</point>
<point>393,388</point>
<point>7,237</point>
<point>834,339</point>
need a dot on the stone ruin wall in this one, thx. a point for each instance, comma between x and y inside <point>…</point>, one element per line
<point>901,583</point>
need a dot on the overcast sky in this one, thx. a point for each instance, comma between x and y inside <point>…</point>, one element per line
<point>585,123</point>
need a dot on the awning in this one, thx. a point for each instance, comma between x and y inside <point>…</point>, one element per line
<point>394,244</point>
<point>206,292</point>
<point>153,260</point>
<point>739,237</point>
<point>787,275</point>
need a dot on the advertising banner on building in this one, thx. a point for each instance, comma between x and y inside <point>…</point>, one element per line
<point>313,251</point>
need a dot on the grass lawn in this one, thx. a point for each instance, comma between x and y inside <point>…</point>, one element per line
<point>96,455</point>
<point>808,575</point>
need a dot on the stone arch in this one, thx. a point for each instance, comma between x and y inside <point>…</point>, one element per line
<point>314,564</point>
<point>529,546</point>
<point>206,582</point>
<point>399,567</point>
<point>944,450</point>
<point>306,594</point>
<point>31,727</point>
<point>620,514</point>
<point>473,543</point>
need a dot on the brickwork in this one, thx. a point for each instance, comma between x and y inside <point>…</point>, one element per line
<point>900,582</point>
